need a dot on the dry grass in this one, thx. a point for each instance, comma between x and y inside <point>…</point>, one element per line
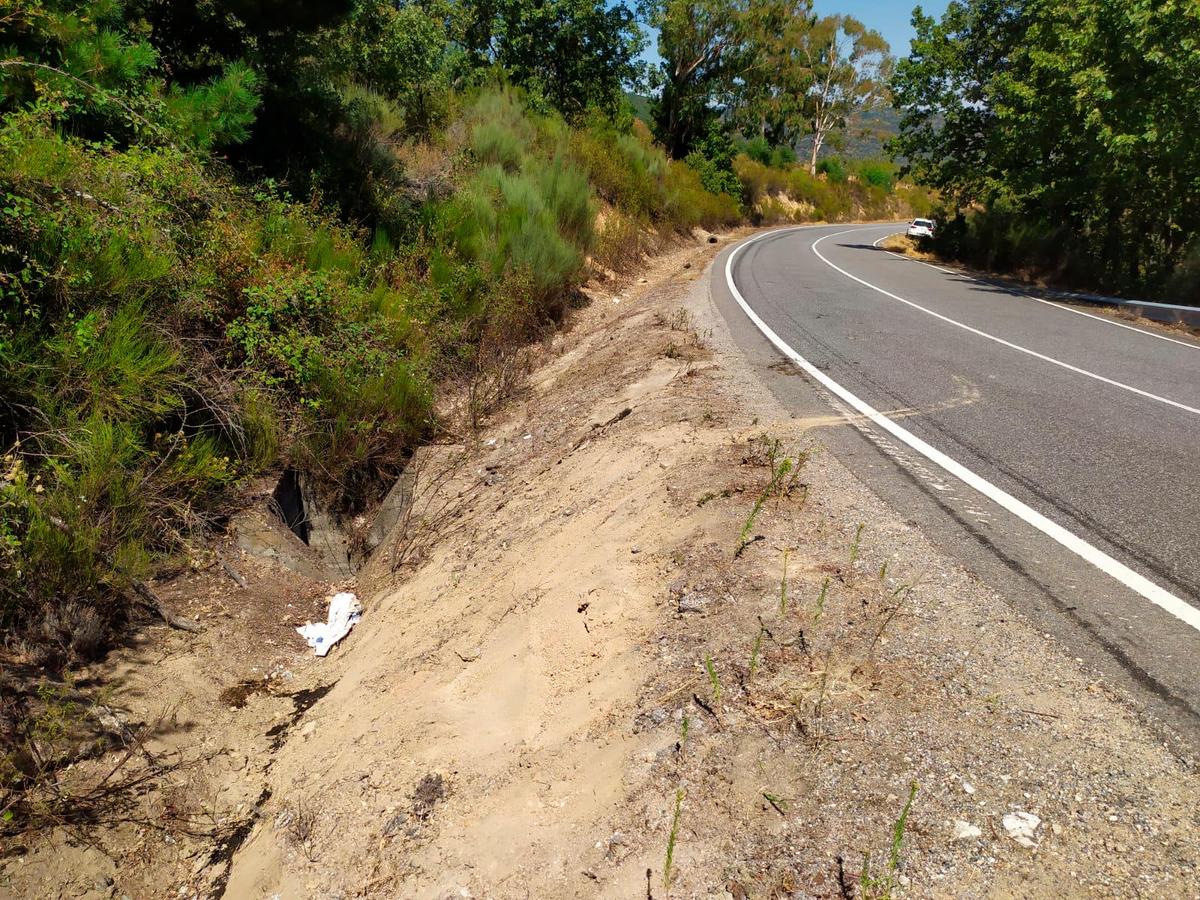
<point>906,246</point>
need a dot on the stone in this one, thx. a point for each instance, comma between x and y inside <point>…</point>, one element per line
<point>965,831</point>
<point>1022,827</point>
<point>692,603</point>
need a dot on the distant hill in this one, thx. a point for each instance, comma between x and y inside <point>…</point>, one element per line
<point>864,139</point>
<point>641,106</point>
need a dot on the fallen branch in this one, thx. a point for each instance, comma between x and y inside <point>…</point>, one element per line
<point>600,426</point>
<point>232,572</point>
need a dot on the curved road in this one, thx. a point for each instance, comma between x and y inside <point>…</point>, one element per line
<point>1054,452</point>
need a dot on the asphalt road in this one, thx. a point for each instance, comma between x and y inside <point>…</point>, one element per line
<point>1090,428</point>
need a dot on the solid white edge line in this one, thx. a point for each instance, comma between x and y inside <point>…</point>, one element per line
<point>1028,296</point>
<point>991,337</point>
<point>1161,598</point>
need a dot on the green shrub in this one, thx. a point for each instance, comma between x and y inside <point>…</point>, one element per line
<point>690,204</point>
<point>496,143</point>
<point>758,148</point>
<point>716,177</point>
<point>625,169</point>
<point>878,174</point>
<point>833,169</point>
<point>782,157</point>
<point>758,179</point>
<point>829,199</point>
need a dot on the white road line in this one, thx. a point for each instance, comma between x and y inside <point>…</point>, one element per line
<point>991,337</point>
<point>1028,296</point>
<point>1077,545</point>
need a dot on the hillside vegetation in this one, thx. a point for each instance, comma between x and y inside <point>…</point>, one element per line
<point>239,240</point>
<point>177,321</point>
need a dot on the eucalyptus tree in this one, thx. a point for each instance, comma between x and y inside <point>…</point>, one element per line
<point>773,88</point>
<point>703,51</point>
<point>850,66</point>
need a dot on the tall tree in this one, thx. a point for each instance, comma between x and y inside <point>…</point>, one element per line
<point>773,88</point>
<point>1077,117</point>
<point>702,47</point>
<point>850,66</point>
<point>570,53</point>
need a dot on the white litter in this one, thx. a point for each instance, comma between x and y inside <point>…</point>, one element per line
<point>344,613</point>
<point>1022,827</point>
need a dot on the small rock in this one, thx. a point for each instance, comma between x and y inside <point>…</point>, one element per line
<point>658,716</point>
<point>469,655</point>
<point>678,587</point>
<point>635,549</point>
<point>965,831</point>
<point>692,602</point>
<point>687,265</point>
<point>712,238</point>
<point>308,729</point>
<point>968,787</point>
<point>1022,827</point>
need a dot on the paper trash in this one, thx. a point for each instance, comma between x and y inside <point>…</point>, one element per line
<point>344,612</point>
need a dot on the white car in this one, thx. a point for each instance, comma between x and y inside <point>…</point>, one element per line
<point>920,228</point>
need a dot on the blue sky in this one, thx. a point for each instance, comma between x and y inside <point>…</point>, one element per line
<point>892,20</point>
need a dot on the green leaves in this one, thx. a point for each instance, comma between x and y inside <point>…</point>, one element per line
<point>1075,113</point>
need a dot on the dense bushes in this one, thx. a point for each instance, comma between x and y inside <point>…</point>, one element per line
<point>840,193</point>
<point>1073,123</point>
<point>165,336</point>
<point>1001,238</point>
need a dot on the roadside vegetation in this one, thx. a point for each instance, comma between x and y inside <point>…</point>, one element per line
<point>1063,139</point>
<point>776,191</point>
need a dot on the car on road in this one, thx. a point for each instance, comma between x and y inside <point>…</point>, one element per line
<point>920,228</point>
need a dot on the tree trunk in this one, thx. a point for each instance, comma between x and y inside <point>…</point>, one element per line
<point>818,139</point>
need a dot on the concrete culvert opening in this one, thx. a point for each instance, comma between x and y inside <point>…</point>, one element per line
<point>287,502</point>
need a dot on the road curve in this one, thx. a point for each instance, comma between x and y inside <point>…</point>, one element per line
<point>1089,427</point>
